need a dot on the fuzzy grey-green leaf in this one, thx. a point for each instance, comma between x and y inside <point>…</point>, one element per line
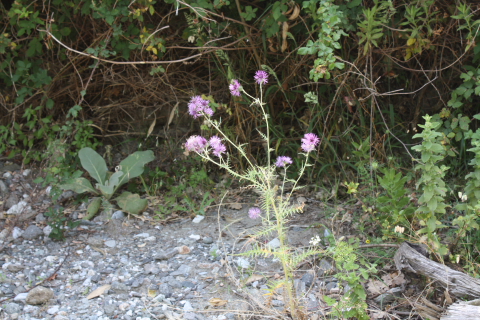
<point>79,185</point>
<point>134,164</point>
<point>94,164</point>
<point>131,203</point>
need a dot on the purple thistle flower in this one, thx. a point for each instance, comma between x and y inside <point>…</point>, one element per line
<point>208,111</point>
<point>217,146</point>
<point>261,77</point>
<point>198,106</point>
<point>309,142</point>
<point>254,212</point>
<point>283,161</point>
<point>196,143</point>
<point>235,87</point>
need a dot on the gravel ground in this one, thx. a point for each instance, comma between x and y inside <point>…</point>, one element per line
<point>119,268</point>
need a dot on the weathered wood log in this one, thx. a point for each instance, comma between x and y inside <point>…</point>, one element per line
<point>456,282</point>
<point>463,310</point>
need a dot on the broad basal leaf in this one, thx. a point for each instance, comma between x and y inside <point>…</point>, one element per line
<point>94,164</point>
<point>110,185</point>
<point>133,165</point>
<point>79,185</point>
<point>131,203</point>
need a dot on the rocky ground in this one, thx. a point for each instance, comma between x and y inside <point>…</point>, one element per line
<point>116,267</point>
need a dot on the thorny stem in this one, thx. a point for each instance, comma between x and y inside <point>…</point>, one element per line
<point>277,206</point>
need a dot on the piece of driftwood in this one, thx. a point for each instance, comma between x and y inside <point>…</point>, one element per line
<point>468,310</point>
<point>456,282</point>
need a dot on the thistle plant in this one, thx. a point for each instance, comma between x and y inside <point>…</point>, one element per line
<point>275,205</point>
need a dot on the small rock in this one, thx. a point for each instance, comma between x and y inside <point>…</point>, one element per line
<point>30,309</point>
<point>47,230</point>
<point>188,284</point>
<point>207,240</point>
<point>326,233</point>
<point>18,208</point>
<point>12,308</point>
<point>388,297</point>
<point>198,219</point>
<point>17,232</point>
<point>166,255</point>
<point>242,263</point>
<point>325,267</point>
<point>142,235</point>
<point>195,237</point>
<point>118,215</point>
<point>300,287</point>
<point>111,243</point>
<point>96,278</point>
<point>40,218</point>
<point>11,201</point>
<point>26,172</point>
<point>11,167</point>
<point>21,297</point>
<point>95,242</point>
<point>32,232</point>
<point>165,289</point>
<point>15,267</point>
<point>3,187</point>
<point>278,303</point>
<point>53,310</point>
<point>332,286</point>
<point>308,279</point>
<point>274,244</point>
<point>187,306</point>
<point>190,316</point>
<point>119,287</point>
<point>109,308</point>
<point>151,268</point>
<point>39,295</point>
<point>182,270</point>
<point>3,234</point>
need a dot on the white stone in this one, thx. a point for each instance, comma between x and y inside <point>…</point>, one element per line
<point>198,219</point>
<point>18,208</point>
<point>51,258</point>
<point>274,244</point>
<point>118,215</point>
<point>52,310</point>
<point>17,232</point>
<point>26,172</point>
<point>124,306</point>
<point>187,306</point>
<point>243,263</point>
<point>47,230</point>
<point>111,243</point>
<point>194,236</point>
<point>142,235</point>
<point>21,297</point>
<point>151,238</point>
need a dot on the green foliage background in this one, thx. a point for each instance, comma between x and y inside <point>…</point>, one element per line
<point>90,72</point>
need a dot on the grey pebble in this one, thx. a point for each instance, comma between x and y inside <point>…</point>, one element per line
<point>207,240</point>
<point>307,278</point>
<point>32,232</point>
<point>12,307</point>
